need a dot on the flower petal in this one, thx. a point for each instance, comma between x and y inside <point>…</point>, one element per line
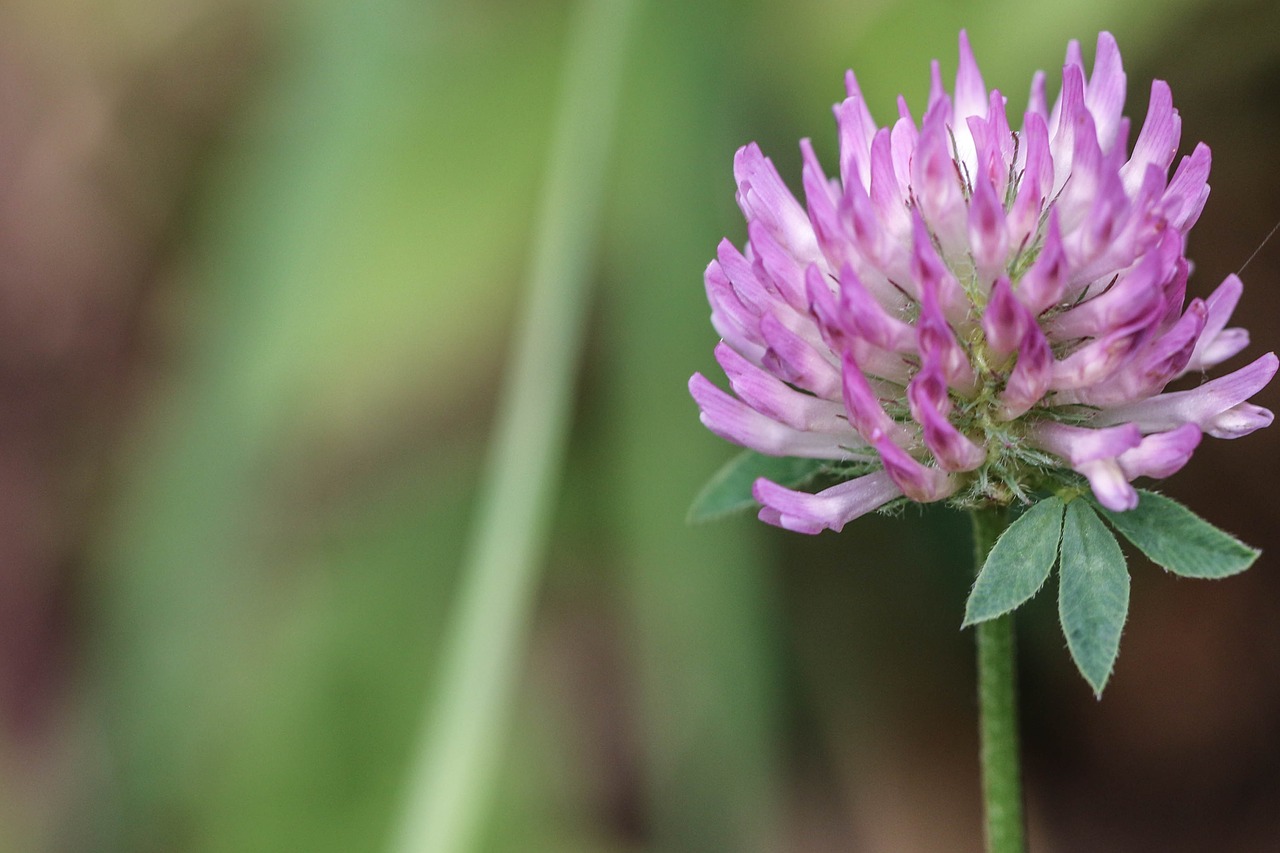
<point>1190,188</point>
<point>733,420</point>
<point>856,128</point>
<point>1160,454</point>
<point>1045,281</point>
<point>830,509</point>
<point>1238,421</point>
<point>738,326</point>
<point>770,396</point>
<point>1109,484</point>
<point>1157,141</point>
<point>917,481</point>
<point>1079,445</point>
<point>1004,320</point>
<point>1217,343</point>
<point>794,359</point>
<point>776,268</point>
<point>1104,95</point>
<point>1217,406</point>
<point>866,412</point>
<point>1037,180</point>
<point>988,231</point>
<point>936,182</point>
<point>764,197</point>
<point>865,317</point>
<point>927,397</point>
<point>1031,374</point>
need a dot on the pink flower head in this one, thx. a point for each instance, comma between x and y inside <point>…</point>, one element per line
<point>970,312</point>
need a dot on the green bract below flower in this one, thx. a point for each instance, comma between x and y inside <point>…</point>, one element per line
<point>973,313</point>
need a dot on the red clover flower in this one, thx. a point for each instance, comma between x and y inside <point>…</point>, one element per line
<point>973,313</point>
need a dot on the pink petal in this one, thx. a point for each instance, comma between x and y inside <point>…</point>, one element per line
<point>1004,320</point>
<point>1217,406</point>
<point>1029,380</point>
<point>776,268</point>
<point>735,421</point>
<point>794,359</point>
<point>830,509</point>
<point>1238,421</point>
<point>1224,345</point>
<point>902,147</point>
<point>1221,305</point>
<point>935,182</point>
<point>937,342</point>
<point>929,403</point>
<point>1152,368</point>
<point>1109,484</point>
<point>1157,141</point>
<point>1136,294</point>
<point>763,196</point>
<point>1037,180</point>
<point>822,202</point>
<point>933,280</point>
<point>774,398</point>
<point>729,317</point>
<point>1068,113</point>
<point>1035,101</point>
<point>1189,186</point>
<point>1042,285</point>
<point>1098,359</point>
<point>918,482</point>
<point>856,128</point>
<point>867,319</point>
<point>971,92</point>
<point>887,192</point>
<point>1079,445</point>
<point>1161,454</point>
<point>746,283</point>
<point>988,234</point>
<point>862,404</point>
<point>970,100</point>
<point>1105,94</point>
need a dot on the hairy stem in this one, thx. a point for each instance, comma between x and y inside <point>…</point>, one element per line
<point>1005,826</point>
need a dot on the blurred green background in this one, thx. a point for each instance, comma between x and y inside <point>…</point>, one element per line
<point>259,268</point>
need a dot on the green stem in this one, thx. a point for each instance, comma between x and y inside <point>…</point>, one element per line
<point>1005,825</point>
<point>462,738</point>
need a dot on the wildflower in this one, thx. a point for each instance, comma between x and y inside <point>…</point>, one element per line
<point>973,313</point>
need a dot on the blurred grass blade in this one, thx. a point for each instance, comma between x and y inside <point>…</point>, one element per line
<point>704,608</point>
<point>461,743</point>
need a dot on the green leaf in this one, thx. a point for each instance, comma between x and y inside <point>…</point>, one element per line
<point>729,489</point>
<point>1018,564</point>
<point>1093,595</point>
<point>1182,542</point>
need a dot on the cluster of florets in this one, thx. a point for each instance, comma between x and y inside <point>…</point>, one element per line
<point>973,313</point>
